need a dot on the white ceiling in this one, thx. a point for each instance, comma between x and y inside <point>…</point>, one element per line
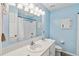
<point>54,6</point>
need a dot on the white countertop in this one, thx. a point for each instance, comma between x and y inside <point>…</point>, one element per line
<point>24,52</point>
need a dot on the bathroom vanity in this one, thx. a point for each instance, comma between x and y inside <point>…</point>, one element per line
<point>40,48</point>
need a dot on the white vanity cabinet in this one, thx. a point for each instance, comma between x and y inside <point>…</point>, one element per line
<point>50,51</point>
<point>47,45</point>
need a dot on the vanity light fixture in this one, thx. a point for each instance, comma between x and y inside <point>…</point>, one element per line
<point>30,8</point>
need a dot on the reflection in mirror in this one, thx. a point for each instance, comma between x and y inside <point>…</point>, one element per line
<point>29,29</point>
<point>20,26</point>
<point>39,28</point>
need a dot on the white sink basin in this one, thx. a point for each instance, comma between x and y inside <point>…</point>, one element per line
<point>38,46</point>
<point>35,48</point>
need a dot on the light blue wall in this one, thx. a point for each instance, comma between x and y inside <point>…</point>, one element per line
<point>68,36</point>
<point>46,22</point>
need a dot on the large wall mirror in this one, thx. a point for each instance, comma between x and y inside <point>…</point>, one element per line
<point>22,26</point>
<point>18,26</point>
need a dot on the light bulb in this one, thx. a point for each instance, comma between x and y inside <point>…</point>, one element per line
<point>31,11</point>
<point>26,9</point>
<point>40,11</point>
<point>35,13</point>
<point>31,6</point>
<point>36,9</point>
<point>20,6</point>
